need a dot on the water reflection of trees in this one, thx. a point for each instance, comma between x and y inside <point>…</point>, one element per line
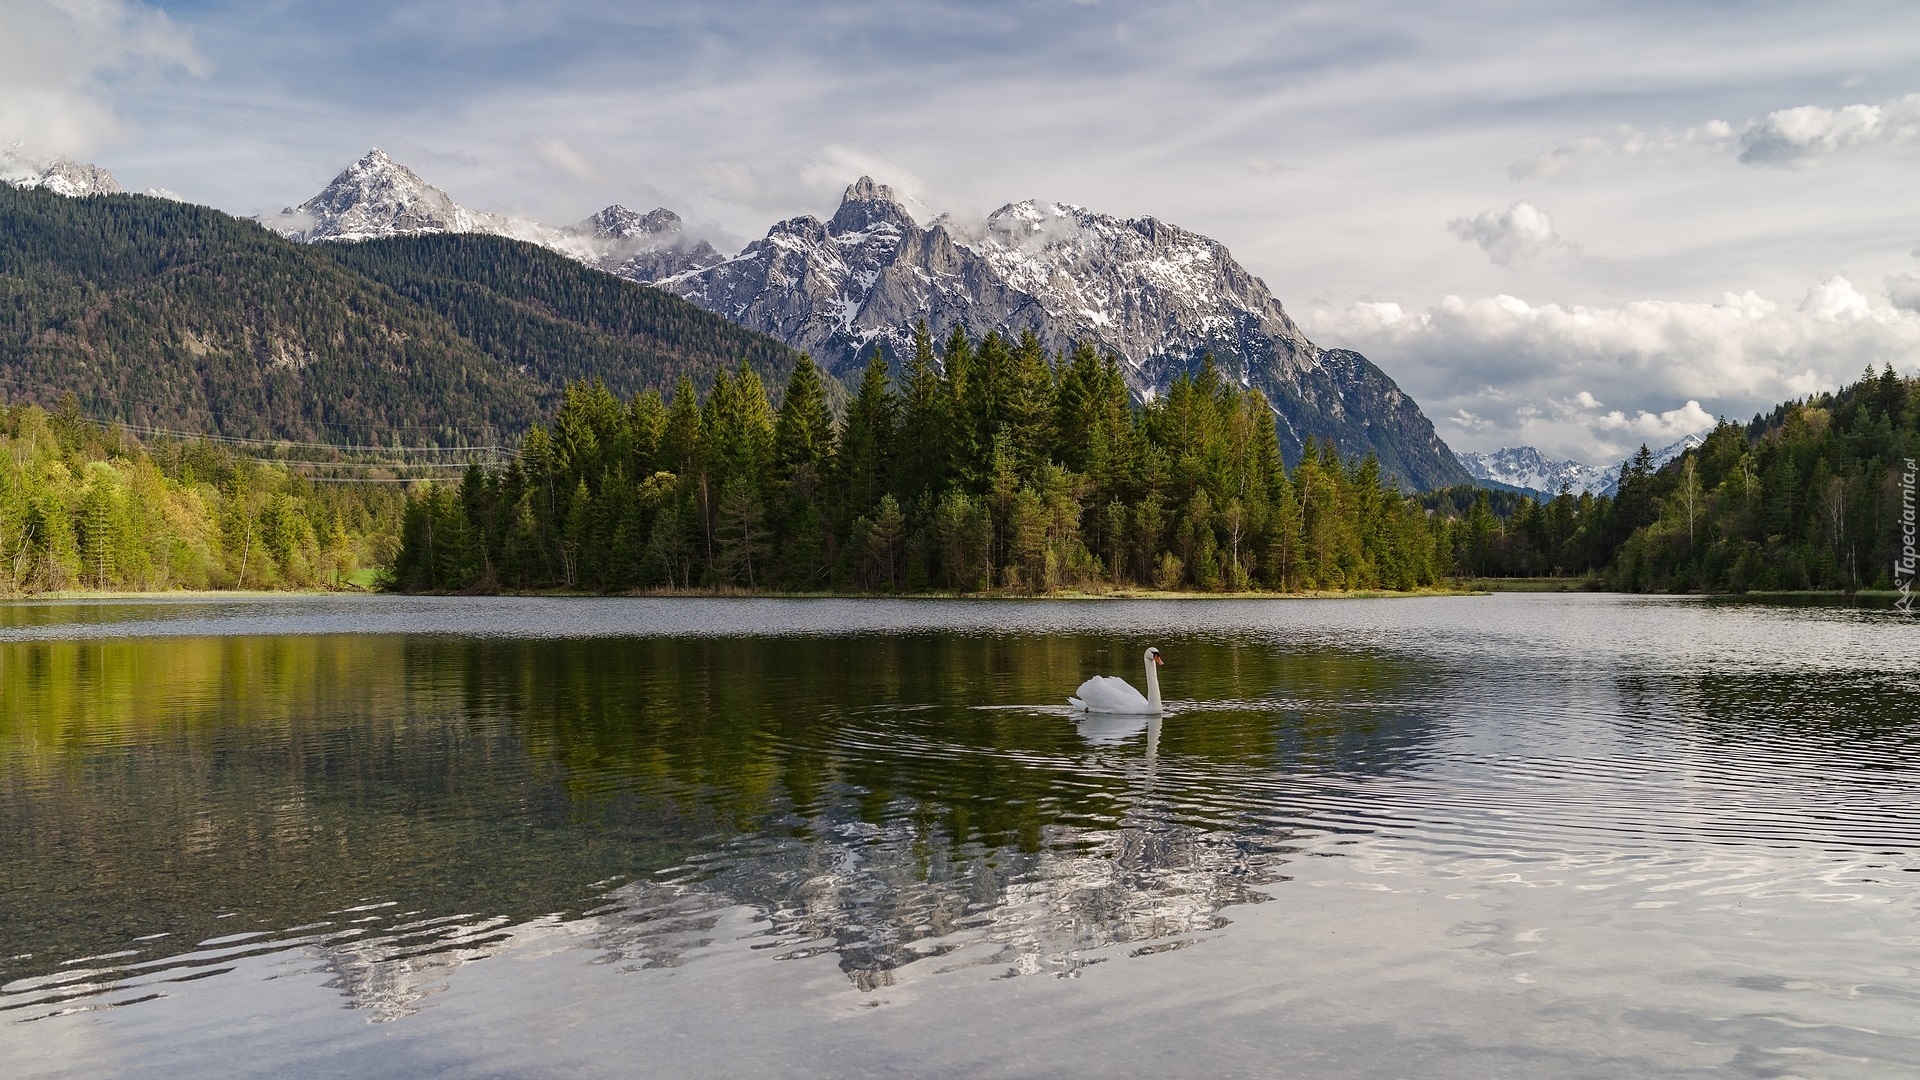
<point>911,798</point>
<point>885,799</point>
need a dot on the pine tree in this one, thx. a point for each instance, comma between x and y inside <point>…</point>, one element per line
<point>741,533</point>
<point>803,431</point>
<point>862,461</point>
<point>921,452</point>
<point>1028,404</point>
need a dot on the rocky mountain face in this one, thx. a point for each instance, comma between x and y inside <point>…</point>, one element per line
<point>60,175</point>
<point>1159,296</point>
<point>378,197</point>
<point>1529,470</point>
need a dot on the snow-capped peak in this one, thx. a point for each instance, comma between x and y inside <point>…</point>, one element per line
<point>867,204</point>
<point>1528,469</point>
<point>374,197</point>
<point>62,176</point>
<point>1674,449</point>
<point>379,197</point>
<point>617,222</point>
<point>1159,297</point>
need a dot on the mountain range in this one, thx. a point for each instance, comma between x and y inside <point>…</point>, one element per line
<point>1527,470</point>
<point>161,313</point>
<point>377,197</point>
<point>1158,296</point>
<point>59,175</point>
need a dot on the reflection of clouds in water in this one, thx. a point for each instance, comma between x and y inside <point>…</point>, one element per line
<point>884,896</point>
<point>385,967</point>
<point>878,908</point>
<point>390,974</point>
<point>876,897</point>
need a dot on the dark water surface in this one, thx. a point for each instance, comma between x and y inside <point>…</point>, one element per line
<point>1475,836</point>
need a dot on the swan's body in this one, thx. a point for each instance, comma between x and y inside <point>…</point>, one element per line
<point>1112,694</point>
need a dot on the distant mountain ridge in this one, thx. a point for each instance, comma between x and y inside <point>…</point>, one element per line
<point>62,176</point>
<point>1158,296</point>
<point>1526,469</point>
<point>164,313</point>
<point>377,197</point>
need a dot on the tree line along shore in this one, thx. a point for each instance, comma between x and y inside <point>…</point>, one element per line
<point>84,506</point>
<point>983,466</point>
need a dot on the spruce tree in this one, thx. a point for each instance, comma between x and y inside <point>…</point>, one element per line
<point>862,464</point>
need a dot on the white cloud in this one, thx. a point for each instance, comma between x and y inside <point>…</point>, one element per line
<point>1517,236</point>
<point>1810,133</point>
<point>1660,428</point>
<point>57,55</point>
<point>1804,134</point>
<point>1555,365</point>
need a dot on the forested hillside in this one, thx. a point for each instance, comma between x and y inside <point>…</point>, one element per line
<point>163,313</point>
<point>1808,497</point>
<point>82,507</point>
<point>998,468</point>
<point>543,313</point>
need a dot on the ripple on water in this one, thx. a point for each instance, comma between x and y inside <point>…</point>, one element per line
<point>1695,809</point>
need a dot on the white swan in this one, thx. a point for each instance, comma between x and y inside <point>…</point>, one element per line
<point>1113,694</point>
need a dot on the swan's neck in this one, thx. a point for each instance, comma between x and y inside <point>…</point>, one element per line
<point>1153,685</point>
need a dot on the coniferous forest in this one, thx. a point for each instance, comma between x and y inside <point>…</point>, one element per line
<point>169,315</point>
<point>990,466</point>
<point>1807,497</point>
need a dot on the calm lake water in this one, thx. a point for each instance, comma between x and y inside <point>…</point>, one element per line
<point>1515,835</point>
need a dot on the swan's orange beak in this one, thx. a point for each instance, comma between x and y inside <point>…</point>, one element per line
<point>1157,661</point>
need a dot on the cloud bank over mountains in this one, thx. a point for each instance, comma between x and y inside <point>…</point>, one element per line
<point>64,64</point>
<point>1575,378</point>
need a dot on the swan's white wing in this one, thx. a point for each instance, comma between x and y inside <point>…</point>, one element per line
<point>1110,694</point>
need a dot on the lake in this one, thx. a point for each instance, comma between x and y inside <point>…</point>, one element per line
<point>1529,835</point>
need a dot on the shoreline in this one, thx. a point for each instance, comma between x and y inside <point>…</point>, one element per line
<point>732,594</point>
<point>1469,587</point>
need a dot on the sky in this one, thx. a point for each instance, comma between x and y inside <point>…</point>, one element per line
<point>1578,226</point>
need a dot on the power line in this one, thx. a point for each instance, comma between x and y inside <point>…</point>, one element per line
<point>366,479</point>
<point>56,391</point>
<point>350,448</point>
<point>369,464</point>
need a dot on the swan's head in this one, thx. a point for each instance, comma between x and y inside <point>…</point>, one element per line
<point>1154,655</point>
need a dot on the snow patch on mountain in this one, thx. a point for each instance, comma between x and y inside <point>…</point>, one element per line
<point>1528,469</point>
<point>62,176</point>
<point>378,197</point>
<point>1159,297</point>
